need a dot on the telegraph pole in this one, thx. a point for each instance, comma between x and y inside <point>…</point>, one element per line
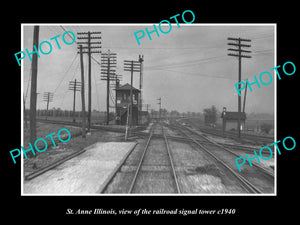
<point>24,112</point>
<point>34,70</point>
<point>159,103</point>
<point>132,66</point>
<point>117,84</point>
<point>48,97</point>
<point>74,86</point>
<point>108,73</point>
<point>244,103</point>
<point>239,50</point>
<point>82,93</point>
<point>141,60</point>
<point>89,52</point>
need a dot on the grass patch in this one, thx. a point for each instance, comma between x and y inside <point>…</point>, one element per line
<point>44,129</point>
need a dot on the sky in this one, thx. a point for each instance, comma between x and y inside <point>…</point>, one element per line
<point>188,67</point>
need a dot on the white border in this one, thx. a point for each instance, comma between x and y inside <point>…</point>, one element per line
<point>151,24</point>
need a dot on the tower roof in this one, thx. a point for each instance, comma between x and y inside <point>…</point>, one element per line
<point>127,87</point>
<point>233,115</point>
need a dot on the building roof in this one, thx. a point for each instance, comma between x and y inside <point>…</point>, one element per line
<point>127,87</point>
<point>233,115</point>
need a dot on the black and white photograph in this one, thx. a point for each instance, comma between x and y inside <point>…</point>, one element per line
<point>115,112</point>
<point>148,109</point>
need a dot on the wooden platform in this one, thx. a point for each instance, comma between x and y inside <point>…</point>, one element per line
<point>81,175</point>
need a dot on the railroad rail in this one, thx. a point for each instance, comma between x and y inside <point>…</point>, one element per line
<point>156,133</point>
<point>250,138</point>
<point>224,147</point>
<point>142,159</point>
<point>137,133</point>
<point>201,141</point>
<point>219,153</point>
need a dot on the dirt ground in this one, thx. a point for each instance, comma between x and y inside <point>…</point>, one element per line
<point>198,173</point>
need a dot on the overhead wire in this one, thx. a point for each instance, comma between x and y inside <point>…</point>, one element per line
<point>188,63</point>
<point>66,91</point>
<point>167,67</point>
<point>198,74</point>
<point>64,75</point>
<point>93,58</point>
<point>96,92</point>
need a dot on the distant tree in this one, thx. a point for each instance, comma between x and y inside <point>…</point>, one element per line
<point>174,113</point>
<point>266,127</point>
<point>164,112</point>
<point>153,112</point>
<point>210,115</point>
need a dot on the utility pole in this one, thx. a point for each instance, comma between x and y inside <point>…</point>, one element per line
<point>117,85</point>
<point>127,121</point>
<point>82,92</point>
<point>133,66</point>
<point>244,103</point>
<point>34,70</point>
<point>48,97</point>
<point>108,73</point>
<point>147,108</point>
<point>141,60</point>
<point>74,86</point>
<point>159,103</point>
<point>239,50</point>
<point>89,52</point>
<point>24,113</point>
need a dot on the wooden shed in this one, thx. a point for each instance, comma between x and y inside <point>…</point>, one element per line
<point>230,119</point>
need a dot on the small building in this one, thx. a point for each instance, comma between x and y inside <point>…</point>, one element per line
<point>230,120</point>
<point>123,104</point>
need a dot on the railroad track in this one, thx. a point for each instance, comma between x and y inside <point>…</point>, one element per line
<point>96,127</point>
<point>161,177</point>
<point>253,179</point>
<point>182,138</point>
<point>247,138</point>
<point>155,172</point>
<point>228,148</point>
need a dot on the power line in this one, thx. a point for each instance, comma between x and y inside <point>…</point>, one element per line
<point>94,77</point>
<point>189,63</point>
<point>65,92</point>
<point>68,33</point>
<point>93,58</point>
<point>108,73</point>
<point>64,75</point>
<point>265,51</point>
<point>74,86</point>
<point>198,74</point>
<point>204,60</point>
<point>87,42</point>
<point>239,53</point>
